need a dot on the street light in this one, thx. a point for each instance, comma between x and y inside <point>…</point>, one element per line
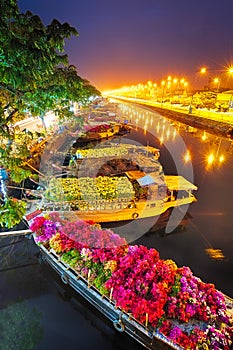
<point>217,81</point>
<point>163,83</point>
<point>230,70</point>
<point>203,70</point>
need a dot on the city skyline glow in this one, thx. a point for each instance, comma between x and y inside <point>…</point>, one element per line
<point>127,42</point>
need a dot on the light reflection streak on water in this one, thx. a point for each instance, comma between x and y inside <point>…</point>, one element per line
<point>161,139</point>
<point>213,253</point>
<point>174,134</point>
<point>213,155</point>
<point>187,156</point>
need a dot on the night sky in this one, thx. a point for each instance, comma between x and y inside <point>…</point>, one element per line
<point>124,42</point>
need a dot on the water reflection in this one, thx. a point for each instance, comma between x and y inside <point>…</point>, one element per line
<point>215,148</point>
<point>215,254</point>
<point>206,242</point>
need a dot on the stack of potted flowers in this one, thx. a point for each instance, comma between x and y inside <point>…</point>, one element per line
<point>87,188</point>
<point>118,151</point>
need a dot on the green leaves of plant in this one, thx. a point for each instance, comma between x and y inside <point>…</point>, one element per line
<point>12,212</point>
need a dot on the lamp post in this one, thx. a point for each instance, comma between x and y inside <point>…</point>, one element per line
<point>163,83</point>
<point>203,71</point>
<point>217,82</point>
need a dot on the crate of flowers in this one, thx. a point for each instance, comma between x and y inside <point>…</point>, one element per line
<point>87,188</point>
<point>102,152</point>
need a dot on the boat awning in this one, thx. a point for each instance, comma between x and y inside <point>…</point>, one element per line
<point>135,174</point>
<point>175,183</point>
<point>152,178</point>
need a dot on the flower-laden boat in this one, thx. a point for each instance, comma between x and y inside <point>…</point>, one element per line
<point>153,300</point>
<point>102,131</point>
<point>116,182</point>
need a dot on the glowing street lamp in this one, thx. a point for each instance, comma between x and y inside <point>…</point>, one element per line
<point>203,70</point>
<point>230,70</point>
<point>163,83</point>
<point>216,81</point>
<point>221,158</point>
<point>210,159</point>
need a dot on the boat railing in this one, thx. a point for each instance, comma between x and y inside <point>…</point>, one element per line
<point>109,204</point>
<point>105,303</point>
<point>89,204</point>
<point>184,200</point>
<point>175,202</point>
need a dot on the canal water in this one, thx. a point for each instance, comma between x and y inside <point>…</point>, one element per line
<point>37,312</point>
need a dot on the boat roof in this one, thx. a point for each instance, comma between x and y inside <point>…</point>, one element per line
<point>145,180</point>
<point>177,182</point>
<point>135,174</point>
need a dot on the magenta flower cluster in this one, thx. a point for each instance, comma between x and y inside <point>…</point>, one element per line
<point>155,292</point>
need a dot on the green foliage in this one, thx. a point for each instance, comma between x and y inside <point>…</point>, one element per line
<point>13,160</point>
<point>20,327</point>
<point>102,277</point>
<point>8,8</point>
<point>12,212</point>
<point>99,274</point>
<point>176,286</point>
<point>19,174</point>
<point>35,77</point>
<point>72,257</point>
<point>34,71</point>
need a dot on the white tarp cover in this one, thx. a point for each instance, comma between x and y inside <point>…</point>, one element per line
<point>151,178</point>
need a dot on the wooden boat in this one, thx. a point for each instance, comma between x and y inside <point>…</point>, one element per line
<point>117,182</point>
<point>121,321</point>
<point>102,131</point>
<point>142,332</point>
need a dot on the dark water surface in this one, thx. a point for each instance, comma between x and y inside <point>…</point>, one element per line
<point>37,312</point>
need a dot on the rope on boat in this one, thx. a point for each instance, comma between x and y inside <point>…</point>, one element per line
<point>64,278</point>
<point>119,325</point>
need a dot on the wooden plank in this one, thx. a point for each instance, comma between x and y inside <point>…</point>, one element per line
<point>15,233</point>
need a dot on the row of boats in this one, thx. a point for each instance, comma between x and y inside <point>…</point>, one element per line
<point>109,182</point>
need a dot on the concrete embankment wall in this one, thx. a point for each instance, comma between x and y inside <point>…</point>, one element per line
<point>217,128</point>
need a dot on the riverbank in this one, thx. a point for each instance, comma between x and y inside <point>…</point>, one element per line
<point>208,122</point>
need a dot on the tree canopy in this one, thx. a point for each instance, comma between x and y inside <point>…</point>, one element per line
<point>35,77</point>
